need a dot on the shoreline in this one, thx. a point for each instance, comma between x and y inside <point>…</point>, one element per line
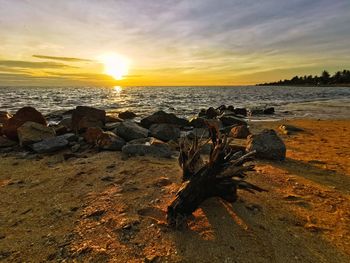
<point>99,207</point>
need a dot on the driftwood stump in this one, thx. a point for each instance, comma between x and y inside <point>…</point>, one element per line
<point>220,176</point>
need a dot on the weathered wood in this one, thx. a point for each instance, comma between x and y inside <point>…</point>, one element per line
<point>220,176</point>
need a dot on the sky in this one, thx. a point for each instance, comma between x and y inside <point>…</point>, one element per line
<point>170,42</point>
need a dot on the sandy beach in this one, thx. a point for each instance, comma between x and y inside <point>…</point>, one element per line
<point>103,208</point>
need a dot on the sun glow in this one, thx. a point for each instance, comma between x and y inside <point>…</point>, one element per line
<point>115,65</point>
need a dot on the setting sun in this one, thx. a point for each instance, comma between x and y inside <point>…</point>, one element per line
<point>115,65</point>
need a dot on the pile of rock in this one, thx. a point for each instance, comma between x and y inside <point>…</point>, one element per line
<point>86,127</point>
<point>156,135</point>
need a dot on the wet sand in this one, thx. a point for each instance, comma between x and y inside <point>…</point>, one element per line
<point>105,209</point>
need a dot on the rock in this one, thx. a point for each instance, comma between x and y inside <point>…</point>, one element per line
<point>51,145</point>
<point>231,120</point>
<point>4,142</point>
<point>129,130</point>
<point>267,145</point>
<point>69,137</point>
<point>66,122</point>
<point>197,122</point>
<point>165,132</point>
<point>289,129</point>
<point>240,132</point>
<point>269,110</point>
<point>111,118</point>
<point>84,117</point>
<point>31,132</point>
<point>92,134</point>
<point>127,115</point>
<point>22,115</point>
<point>163,117</point>
<point>109,141</point>
<point>211,113</point>
<point>240,111</point>
<point>4,116</point>
<point>157,150</point>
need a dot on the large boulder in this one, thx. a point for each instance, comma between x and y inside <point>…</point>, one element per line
<point>126,115</point>
<point>240,132</point>
<point>31,132</point>
<point>22,115</point>
<point>165,132</point>
<point>155,150</point>
<point>228,120</point>
<point>51,145</point>
<point>84,117</point>
<point>4,116</point>
<point>129,130</point>
<point>267,145</point>
<point>163,117</point>
<point>92,134</point>
<point>109,141</point>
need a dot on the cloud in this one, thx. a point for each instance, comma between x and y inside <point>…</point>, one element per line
<point>62,58</point>
<point>31,64</point>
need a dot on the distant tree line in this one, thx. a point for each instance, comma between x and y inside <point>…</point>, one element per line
<point>339,78</point>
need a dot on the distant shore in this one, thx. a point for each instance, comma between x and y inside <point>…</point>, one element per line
<point>303,85</point>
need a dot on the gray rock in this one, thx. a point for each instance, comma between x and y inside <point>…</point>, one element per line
<point>155,150</point>
<point>129,130</point>
<point>163,117</point>
<point>165,132</point>
<point>69,137</point>
<point>51,145</point>
<point>31,132</point>
<point>267,145</point>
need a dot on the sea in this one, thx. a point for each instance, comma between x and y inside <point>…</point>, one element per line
<point>289,102</point>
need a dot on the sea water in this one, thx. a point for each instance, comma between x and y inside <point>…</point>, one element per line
<point>289,102</point>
